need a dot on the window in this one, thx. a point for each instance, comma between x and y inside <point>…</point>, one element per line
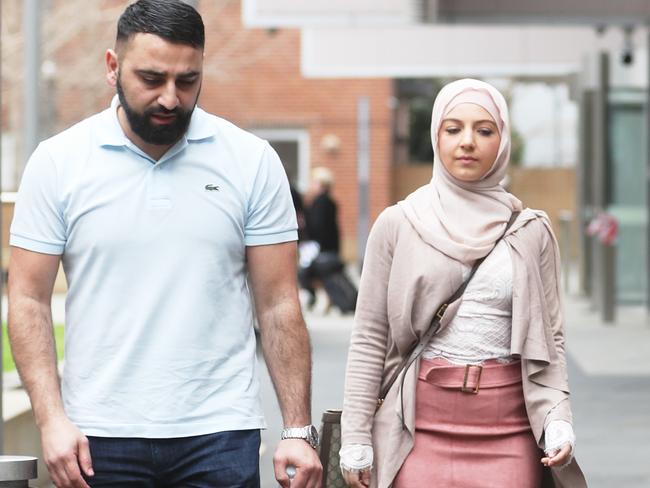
<point>292,145</point>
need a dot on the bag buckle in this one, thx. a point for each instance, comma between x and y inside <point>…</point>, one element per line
<point>441,311</point>
<point>472,389</point>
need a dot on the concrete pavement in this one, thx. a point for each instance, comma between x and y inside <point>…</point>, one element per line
<point>609,373</point>
<point>609,368</point>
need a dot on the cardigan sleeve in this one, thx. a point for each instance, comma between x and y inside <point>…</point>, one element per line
<point>367,352</point>
<point>551,279</point>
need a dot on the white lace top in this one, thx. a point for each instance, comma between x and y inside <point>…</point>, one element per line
<point>480,329</point>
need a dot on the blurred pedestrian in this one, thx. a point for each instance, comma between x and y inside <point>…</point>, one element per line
<point>159,211</point>
<point>322,212</point>
<point>299,207</point>
<point>319,254</point>
<point>487,401</point>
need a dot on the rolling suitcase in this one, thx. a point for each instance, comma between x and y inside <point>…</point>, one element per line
<point>341,291</point>
<point>330,270</point>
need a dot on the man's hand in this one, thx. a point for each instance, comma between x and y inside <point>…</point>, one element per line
<point>66,453</point>
<point>299,454</point>
<point>31,280</point>
<point>287,352</point>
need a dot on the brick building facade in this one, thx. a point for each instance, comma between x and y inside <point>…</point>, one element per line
<point>252,78</point>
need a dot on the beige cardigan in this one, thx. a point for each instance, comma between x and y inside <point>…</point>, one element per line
<point>399,292</point>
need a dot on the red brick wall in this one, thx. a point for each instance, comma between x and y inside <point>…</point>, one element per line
<point>252,78</point>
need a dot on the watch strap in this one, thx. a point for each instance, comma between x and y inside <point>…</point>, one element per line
<point>308,433</point>
<point>295,433</point>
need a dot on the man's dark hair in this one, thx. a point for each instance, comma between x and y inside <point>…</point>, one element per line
<point>173,20</point>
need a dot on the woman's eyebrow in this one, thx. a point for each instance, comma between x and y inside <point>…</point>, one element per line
<point>458,121</point>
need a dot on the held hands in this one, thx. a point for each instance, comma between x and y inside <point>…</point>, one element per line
<point>66,453</point>
<point>299,454</point>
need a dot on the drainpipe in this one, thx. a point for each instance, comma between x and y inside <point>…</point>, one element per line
<point>363,174</point>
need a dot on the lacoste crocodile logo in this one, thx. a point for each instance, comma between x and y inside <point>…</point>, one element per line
<point>211,187</point>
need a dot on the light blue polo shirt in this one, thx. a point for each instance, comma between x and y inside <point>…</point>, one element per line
<point>159,325</point>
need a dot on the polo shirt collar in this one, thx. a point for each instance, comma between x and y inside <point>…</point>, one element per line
<point>110,131</point>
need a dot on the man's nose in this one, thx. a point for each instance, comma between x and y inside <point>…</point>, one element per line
<point>169,97</point>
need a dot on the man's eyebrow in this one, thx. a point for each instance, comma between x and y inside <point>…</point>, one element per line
<point>152,72</point>
<point>189,74</point>
<point>149,72</point>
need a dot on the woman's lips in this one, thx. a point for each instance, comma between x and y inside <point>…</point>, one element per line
<point>466,159</point>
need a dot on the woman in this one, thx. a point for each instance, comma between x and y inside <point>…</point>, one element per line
<point>510,426</point>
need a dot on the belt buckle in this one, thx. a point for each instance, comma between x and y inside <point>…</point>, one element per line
<point>469,389</point>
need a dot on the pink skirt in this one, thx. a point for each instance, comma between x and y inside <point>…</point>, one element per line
<point>472,430</point>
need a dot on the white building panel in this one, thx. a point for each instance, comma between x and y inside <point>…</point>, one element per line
<point>340,13</point>
<point>431,51</point>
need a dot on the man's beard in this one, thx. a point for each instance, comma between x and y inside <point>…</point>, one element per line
<point>160,135</point>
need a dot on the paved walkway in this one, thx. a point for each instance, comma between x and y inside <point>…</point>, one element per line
<point>609,368</point>
<point>609,373</point>
<point>620,348</point>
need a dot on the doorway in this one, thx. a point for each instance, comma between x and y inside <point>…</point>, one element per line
<point>292,146</point>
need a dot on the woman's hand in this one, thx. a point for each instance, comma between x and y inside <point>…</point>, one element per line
<point>358,479</point>
<point>558,457</point>
<point>559,440</point>
<point>356,464</point>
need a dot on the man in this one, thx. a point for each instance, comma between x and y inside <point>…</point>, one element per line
<point>322,232</point>
<point>158,211</point>
<point>322,225</point>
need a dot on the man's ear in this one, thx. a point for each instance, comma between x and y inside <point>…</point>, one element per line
<point>112,67</point>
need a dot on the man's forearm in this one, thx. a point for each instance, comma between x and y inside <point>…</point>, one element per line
<point>33,348</point>
<point>287,351</point>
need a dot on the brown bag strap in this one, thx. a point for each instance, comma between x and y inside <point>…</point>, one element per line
<point>417,350</point>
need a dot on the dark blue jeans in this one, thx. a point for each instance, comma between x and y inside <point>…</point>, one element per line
<point>225,459</point>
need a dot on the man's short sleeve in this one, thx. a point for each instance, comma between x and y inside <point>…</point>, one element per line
<point>38,223</point>
<point>271,218</point>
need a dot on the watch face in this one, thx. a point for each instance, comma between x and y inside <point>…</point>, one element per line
<point>313,436</point>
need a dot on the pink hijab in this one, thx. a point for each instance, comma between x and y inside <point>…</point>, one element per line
<point>464,219</point>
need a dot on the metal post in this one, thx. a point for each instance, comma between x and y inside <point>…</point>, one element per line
<point>608,297</point>
<point>600,168</point>
<point>606,255</point>
<point>557,126</point>
<point>2,279</point>
<point>566,219</point>
<point>363,174</point>
<point>32,56</point>
<point>31,95</point>
<point>585,193</point>
<point>647,110</point>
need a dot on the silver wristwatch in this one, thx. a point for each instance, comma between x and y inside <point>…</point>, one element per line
<point>308,433</point>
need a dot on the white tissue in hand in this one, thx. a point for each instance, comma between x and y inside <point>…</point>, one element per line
<point>356,457</point>
<point>557,434</point>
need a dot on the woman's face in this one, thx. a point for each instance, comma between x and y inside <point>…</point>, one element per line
<point>468,142</point>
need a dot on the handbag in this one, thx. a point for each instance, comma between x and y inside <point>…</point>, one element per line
<point>330,431</point>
